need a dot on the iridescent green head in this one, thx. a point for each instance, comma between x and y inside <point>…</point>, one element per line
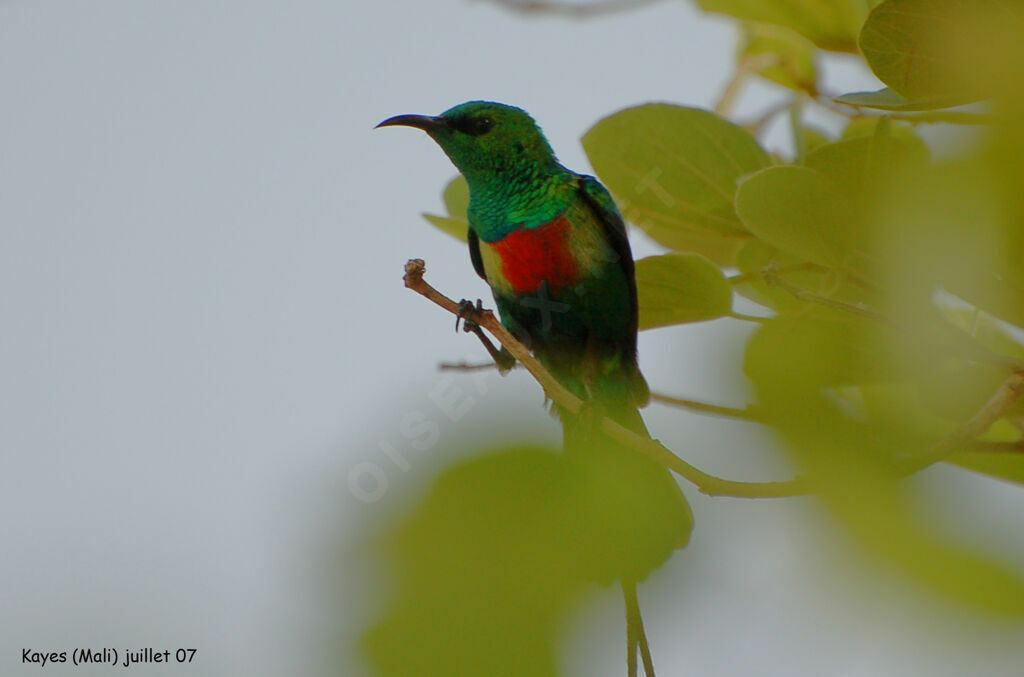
<point>484,138</point>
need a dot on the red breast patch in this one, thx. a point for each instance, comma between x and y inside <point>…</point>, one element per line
<point>531,256</point>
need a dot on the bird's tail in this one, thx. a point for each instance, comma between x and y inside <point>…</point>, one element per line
<point>637,513</point>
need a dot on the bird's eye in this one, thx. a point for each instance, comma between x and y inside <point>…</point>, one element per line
<point>479,126</point>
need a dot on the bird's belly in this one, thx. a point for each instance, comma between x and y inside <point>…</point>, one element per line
<point>526,259</point>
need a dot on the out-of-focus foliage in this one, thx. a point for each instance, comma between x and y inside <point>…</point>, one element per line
<point>891,283</point>
<point>491,562</point>
<point>456,200</point>
<point>830,24</point>
<point>943,48</point>
<point>680,288</point>
<point>787,58</point>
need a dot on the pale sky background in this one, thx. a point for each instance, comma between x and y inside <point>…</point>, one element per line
<point>205,331</point>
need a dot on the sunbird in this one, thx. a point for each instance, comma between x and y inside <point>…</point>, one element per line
<point>552,246</point>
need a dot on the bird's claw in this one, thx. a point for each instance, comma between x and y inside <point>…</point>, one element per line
<point>466,310</point>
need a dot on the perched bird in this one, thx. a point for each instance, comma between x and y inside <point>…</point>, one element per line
<point>552,246</point>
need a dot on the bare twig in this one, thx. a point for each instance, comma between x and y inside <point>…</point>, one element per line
<point>996,447</point>
<point>708,484</point>
<point>747,66</point>
<point>990,412</point>
<point>748,414</point>
<point>576,10</point>
<point>772,279</point>
<point>466,366</point>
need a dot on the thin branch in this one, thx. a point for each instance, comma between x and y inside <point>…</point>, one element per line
<point>996,447</point>
<point>993,410</point>
<point>757,125</point>
<point>747,66</point>
<point>748,414</point>
<point>772,279</point>
<point>707,484</point>
<point>466,366</point>
<point>575,10</point>
<point>758,275</point>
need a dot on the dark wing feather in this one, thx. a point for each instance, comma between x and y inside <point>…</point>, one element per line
<point>597,197</point>
<point>474,253</point>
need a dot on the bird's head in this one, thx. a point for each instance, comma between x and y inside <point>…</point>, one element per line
<point>483,138</point>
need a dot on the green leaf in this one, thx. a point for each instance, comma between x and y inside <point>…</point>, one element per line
<point>456,199</point>
<point>792,361</point>
<point>673,170</point>
<point>798,210</point>
<point>680,288</point>
<point>811,351</point>
<point>488,567</point>
<point>790,57</point>
<point>944,49</point>
<point>867,157</point>
<point>830,24</point>
<point>950,227</point>
<point>457,228</point>
<point>887,99</point>
<point>813,137</point>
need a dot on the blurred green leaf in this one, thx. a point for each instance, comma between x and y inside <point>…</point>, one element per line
<point>484,572</point>
<point>459,229</point>
<point>830,24</point>
<point>986,331</point>
<point>956,391</point>
<point>456,199</point>
<point>717,247</point>
<point>489,565</point>
<point>939,49</point>
<point>823,349</point>
<point>794,363</point>
<point>674,170</point>
<point>949,227</point>
<point>680,288</point>
<point>860,164</point>
<point>813,138</point>
<point>798,210</point>
<point>791,57</point>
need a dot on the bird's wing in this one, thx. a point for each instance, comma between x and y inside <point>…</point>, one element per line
<point>474,253</point>
<point>600,201</point>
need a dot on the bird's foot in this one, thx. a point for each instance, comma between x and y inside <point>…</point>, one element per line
<point>466,310</point>
<point>503,359</point>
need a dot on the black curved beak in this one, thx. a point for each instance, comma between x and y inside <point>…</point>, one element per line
<point>424,122</point>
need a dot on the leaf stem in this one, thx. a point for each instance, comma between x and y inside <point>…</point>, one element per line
<point>993,410</point>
